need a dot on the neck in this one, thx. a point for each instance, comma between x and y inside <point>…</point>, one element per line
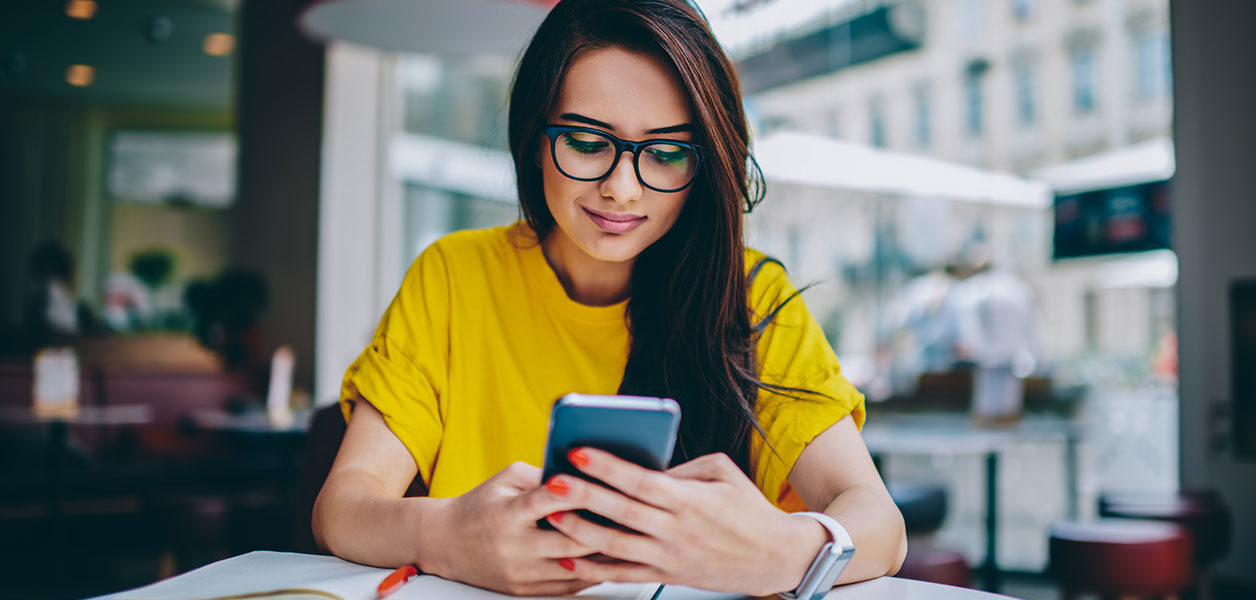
<point>586,279</point>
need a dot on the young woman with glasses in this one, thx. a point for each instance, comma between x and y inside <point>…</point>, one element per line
<point>628,275</point>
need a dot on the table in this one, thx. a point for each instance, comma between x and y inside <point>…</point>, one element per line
<point>258,571</point>
<point>249,422</point>
<point>58,437</point>
<point>882,588</point>
<point>929,433</point>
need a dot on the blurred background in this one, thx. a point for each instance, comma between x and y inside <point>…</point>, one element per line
<point>1029,224</point>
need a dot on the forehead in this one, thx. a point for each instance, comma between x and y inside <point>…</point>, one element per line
<point>631,91</point>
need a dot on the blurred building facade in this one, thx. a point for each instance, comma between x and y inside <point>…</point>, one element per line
<point>1007,85</point>
<point>1011,86</point>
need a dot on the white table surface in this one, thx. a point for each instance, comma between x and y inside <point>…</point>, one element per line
<point>259,571</point>
<point>884,588</point>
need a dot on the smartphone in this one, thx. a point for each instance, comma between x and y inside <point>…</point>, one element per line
<point>637,429</point>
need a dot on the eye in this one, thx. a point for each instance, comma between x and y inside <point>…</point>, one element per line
<point>668,154</point>
<point>585,143</point>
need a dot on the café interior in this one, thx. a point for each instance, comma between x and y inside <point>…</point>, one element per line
<point>206,205</point>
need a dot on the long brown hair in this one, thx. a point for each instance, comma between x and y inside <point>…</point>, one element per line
<point>689,317</point>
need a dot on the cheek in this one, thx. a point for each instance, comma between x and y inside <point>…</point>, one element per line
<point>558,189</point>
<point>671,206</point>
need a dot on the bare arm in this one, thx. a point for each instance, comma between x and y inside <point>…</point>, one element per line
<point>835,474</point>
<point>486,537</point>
<point>360,514</point>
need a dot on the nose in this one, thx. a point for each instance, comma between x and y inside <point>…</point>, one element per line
<point>622,185</point>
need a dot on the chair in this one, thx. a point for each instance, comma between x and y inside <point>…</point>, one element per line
<point>1120,557</point>
<point>924,510</point>
<point>1203,513</point>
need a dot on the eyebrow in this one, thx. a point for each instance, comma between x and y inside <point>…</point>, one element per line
<point>596,123</point>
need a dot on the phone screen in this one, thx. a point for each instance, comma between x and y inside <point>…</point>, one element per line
<point>639,430</point>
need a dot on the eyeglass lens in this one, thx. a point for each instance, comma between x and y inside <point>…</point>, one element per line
<point>588,155</point>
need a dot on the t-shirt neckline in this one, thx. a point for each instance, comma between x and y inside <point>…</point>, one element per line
<point>539,270</point>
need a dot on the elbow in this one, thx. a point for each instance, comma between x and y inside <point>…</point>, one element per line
<point>898,551</point>
<point>319,522</point>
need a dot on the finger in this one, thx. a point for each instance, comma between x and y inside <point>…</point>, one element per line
<point>710,467</point>
<point>648,486</point>
<point>553,544</point>
<point>618,572</point>
<point>521,475</point>
<point>558,587</point>
<point>555,496</point>
<point>622,509</point>
<point>632,547</point>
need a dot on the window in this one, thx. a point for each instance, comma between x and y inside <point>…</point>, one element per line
<point>1084,81</point>
<point>973,102</point>
<point>1022,9</point>
<point>835,124</point>
<point>1026,94</point>
<point>924,117</point>
<point>972,18</point>
<point>876,125</point>
<point>1155,71</point>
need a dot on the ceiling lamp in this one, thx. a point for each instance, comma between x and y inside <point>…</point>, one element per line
<point>427,26</point>
<point>80,9</point>
<point>80,75</point>
<point>219,44</point>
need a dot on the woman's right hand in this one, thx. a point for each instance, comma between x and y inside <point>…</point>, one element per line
<point>490,538</point>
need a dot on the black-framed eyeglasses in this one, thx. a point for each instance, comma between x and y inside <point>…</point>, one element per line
<point>587,154</point>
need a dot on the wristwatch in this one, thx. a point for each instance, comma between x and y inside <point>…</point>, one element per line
<point>828,564</point>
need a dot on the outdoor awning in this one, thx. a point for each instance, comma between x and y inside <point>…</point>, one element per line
<point>807,159</point>
<point>1141,163</point>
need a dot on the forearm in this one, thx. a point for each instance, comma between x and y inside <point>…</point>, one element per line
<point>876,526</point>
<point>356,519</point>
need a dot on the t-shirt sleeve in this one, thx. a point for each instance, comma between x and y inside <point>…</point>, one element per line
<point>793,353</point>
<point>404,371</point>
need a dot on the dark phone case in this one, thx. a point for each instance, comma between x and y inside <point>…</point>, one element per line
<point>644,435</point>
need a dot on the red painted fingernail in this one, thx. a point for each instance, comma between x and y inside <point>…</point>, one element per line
<point>557,487</point>
<point>556,517</point>
<point>567,563</point>
<point>579,458</point>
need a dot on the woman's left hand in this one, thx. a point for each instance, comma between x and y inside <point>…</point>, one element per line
<point>702,524</point>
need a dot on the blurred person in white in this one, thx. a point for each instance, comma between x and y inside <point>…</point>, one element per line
<point>925,327</point>
<point>52,313</point>
<point>994,311</point>
<point>629,275</point>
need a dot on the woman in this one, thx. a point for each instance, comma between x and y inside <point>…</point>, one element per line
<point>628,276</point>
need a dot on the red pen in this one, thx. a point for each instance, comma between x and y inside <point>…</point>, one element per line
<point>396,579</point>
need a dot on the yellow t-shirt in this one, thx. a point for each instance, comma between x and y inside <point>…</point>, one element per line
<point>481,339</point>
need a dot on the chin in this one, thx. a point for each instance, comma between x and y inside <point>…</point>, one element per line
<point>613,248</point>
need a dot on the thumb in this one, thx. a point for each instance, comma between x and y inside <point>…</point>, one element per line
<point>520,475</point>
<point>711,467</point>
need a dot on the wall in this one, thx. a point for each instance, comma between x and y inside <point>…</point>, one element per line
<point>1215,237</point>
<point>52,169</point>
<point>279,109</point>
<point>198,236</point>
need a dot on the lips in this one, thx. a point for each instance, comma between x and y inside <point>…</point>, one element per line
<point>614,222</point>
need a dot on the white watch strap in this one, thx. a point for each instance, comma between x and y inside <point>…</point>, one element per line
<point>828,564</point>
<point>840,537</point>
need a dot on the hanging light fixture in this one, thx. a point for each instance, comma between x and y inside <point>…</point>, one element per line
<point>427,26</point>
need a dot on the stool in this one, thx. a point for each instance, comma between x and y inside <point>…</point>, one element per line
<point>1201,512</point>
<point>924,510</point>
<point>936,566</point>
<point>923,506</point>
<point>1120,557</point>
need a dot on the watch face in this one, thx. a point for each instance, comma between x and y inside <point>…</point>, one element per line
<point>825,569</point>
